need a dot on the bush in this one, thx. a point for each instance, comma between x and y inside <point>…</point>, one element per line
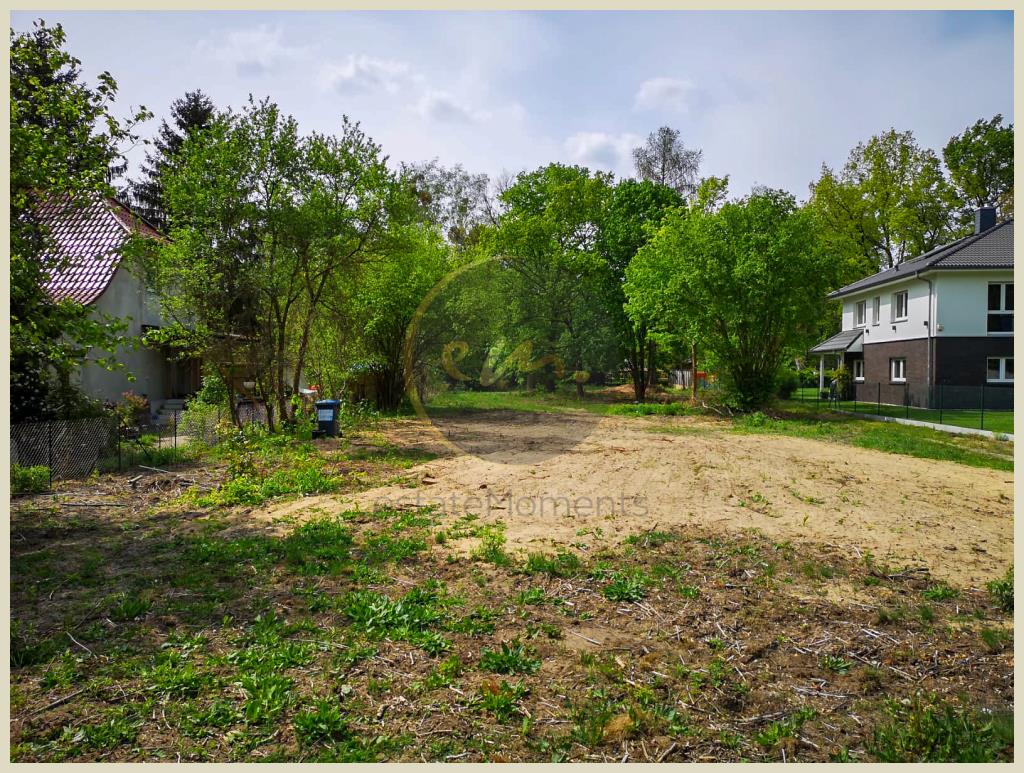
<point>29,480</point>
<point>788,382</point>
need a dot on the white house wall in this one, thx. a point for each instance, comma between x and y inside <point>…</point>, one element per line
<point>126,298</point>
<point>887,330</point>
<point>963,301</point>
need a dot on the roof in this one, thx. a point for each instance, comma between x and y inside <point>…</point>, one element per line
<point>840,342</point>
<point>991,249</point>
<point>88,238</point>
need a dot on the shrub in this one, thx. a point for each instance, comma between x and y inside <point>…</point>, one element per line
<point>29,480</point>
<point>787,383</point>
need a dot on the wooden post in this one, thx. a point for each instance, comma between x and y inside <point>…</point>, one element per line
<point>693,372</point>
<point>821,374</point>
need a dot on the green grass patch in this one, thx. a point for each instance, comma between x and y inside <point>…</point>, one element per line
<point>927,731</point>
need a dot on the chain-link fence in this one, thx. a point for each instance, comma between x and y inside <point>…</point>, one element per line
<point>987,407</point>
<point>75,448</point>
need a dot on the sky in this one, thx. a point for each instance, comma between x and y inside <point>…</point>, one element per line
<point>768,96</point>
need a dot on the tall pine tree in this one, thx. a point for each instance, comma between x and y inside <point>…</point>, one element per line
<point>193,112</point>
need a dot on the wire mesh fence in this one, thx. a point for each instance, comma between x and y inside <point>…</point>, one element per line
<point>987,407</point>
<point>75,448</point>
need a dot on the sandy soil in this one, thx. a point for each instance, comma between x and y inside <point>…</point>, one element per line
<point>623,478</point>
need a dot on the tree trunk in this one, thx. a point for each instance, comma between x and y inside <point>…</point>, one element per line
<point>652,371</point>
<point>693,372</point>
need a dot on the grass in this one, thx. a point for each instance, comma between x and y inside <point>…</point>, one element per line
<point>162,628</point>
<point>800,420</point>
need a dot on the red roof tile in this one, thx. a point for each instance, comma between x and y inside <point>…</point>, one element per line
<point>88,238</point>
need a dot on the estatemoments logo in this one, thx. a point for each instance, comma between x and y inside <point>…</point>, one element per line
<point>478,334</point>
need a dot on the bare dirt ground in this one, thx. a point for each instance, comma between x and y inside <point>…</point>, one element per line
<point>629,475</point>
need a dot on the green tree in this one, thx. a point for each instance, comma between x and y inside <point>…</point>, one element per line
<point>634,211</point>
<point>262,222</point>
<point>747,282</point>
<point>980,163</point>
<point>548,238</point>
<point>64,143</point>
<point>888,203</point>
<point>189,114</point>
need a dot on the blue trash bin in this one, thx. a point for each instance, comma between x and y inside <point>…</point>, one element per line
<point>327,417</point>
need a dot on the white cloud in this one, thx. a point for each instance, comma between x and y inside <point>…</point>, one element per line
<point>442,107</point>
<point>608,151</point>
<point>366,73</point>
<point>253,52</point>
<point>673,95</point>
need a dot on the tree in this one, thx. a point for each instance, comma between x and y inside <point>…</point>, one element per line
<point>548,239</point>
<point>189,114</point>
<point>980,163</point>
<point>453,199</point>
<point>64,142</point>
<point>889,203</point>
<point>634,211</point>
<point>747,281</point>
<point>262,222</point>
<point>664,159</point>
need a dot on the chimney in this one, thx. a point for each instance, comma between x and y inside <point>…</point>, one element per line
<point>984,218</point>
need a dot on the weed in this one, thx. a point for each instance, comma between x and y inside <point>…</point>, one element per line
<point>29,480</point>
<point>512,657</point>
<point>444,673</point>
<point>173,676</point>
<point>927,731</point>
<point>491,549</point>
<point>773,735</point>
<point>650,539</point>
<point>533,630</point>
<point>118,727</point>
<point>532,596</point>
<point>129,607</point>
<point>631,586</point>
<point>1001,591</point>
<point>836,664</point>
<point>562,564</point>
<point>28,648</point>
<point>268,696</point>
<point>994,639</point>
<point>321,724</point>
<point>478,622</point>
<point>689,591</point>
<point>940,592</point>
<point>888,615</point>
<point>501,700</point>
<point>320,546</point>
<point>209,721</point>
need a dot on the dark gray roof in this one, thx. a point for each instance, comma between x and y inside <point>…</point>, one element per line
<point>991,249</point>
<point>840,342</point>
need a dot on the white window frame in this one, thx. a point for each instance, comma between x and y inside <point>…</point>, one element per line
<point>895,306</point>
<point>858,370</point>
<point>1002,311</point>
<point>876,316</point>
<point>860,314</point>
<point>902,378</point>
<point>1002,379</point>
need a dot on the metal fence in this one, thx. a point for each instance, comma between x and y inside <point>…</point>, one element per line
<point>988,407</point>
<point>75,448</point>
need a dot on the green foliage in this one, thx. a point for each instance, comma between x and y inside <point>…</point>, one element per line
<point>980,163</point>
<point>626,586</point>
<point>748,280</point>
<point>64,143</point>
<point>267,696</point>
<point>774,733</point>
<point>562,564</point>
<point>1001,591</point>
<point>512,657</point>
<point>29,480</point>
<point>322,724</point>
<point>923,730</point>
<point>501,699</point>
<point>413,618</point>
<point>940,592</point>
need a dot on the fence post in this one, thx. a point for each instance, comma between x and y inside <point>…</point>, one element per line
<point>49,449</point>
<point>117,429</point>
<point>174,418</point>
<point>878,400</point>
<point>983,406</point>
<point>940,403</point>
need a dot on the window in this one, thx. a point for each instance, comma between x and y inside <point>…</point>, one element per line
<point>899,306</point>
<point>1000,370</point>
<point>876,317</point>
<point>1000,307</point>
<point>898,369</point>
<point>861,315</point>
<point>858,370</point>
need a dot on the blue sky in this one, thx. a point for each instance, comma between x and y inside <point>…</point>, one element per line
<point>768,96</point>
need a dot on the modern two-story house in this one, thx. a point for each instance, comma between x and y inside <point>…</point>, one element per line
<point>942,320</point>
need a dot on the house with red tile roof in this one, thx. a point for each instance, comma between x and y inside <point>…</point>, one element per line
<point>89,240</point>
